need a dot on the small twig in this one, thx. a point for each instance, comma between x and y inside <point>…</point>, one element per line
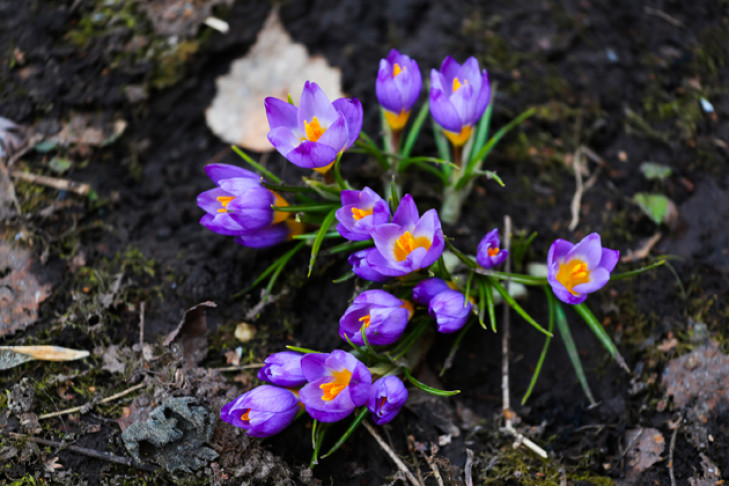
<point>124,461</point>
<point>467,468</point>
<point>577,197</point>
<point>505,330</point>
<point>664,16</point>
<point>675,426</point>
<point>398,462</point>
<point>83,407</point>
<point>80,188</point>
<point>643,251</point>
<point>142,305</point>
<point>528,443</point>
<point>430,459</point>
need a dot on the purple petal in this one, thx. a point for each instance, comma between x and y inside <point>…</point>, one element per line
<point>315,103</point>
<point>208,200</point>
<point>598,278</point>
<point>443,111</point>
<point>362,269</point>
<point>222,224</point>
<point>335,135</point>
<point>406,214</point>
<point>284,140</point>
<point>217,172</point>
<point>268,236</point>
<point>386,90</point>
<point>558,252</point>
<point>450,69</point>
<point>589,251</point>
<point>609,259</point>
<point>280,113</point>
<point>310,155</point>
<point>351,108</point>
<point>424,291</point>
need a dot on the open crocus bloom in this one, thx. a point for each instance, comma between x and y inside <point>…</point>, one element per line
<point>397,87</point>
<point>240,204</point>
<point>263,411</point>
<point>337,383</point>
<point>458,97</point>
<point>314,133</point>
<point>407,244</point>
<point>577,270</point>
<point>360,212</point>
<point>382,315</point>
<point>387,396</point>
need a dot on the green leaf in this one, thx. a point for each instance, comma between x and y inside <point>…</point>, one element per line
<point>280,262</point>
<point>320,238</point>
<point>305,208</point>
<point>318,430</point>
<point>347,433</point>
<point>545,348</point>
<point>429,389</point>
<point>349,246</point>
<point>468,261</point>
<point>514,277</point>
<point>59,165</point>
<point>45,146</point>
<point>653,171</point>
<point>255,164</point>
<point>489,294</point>
<point>284,188</point>
<point>441,143</point>
<point>482,132</point>
<point>337,175</point>
<point>290,99</point>
<point>637,271</point>
<point>601,334</point>
<point>394,196</point>
<point>569,344</point>
<point>510,300</point>
<point>414,131</point>
<point>655,206</point>
<point>366,144</point>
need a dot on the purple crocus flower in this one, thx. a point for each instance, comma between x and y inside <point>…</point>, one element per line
<point>458,97</point>
<point>398,86</point>
<point>362,269</point>
<point>425,290</point>
<point>574,271</point>
<point>407,244</point>
<point>387,396</point>
<point>489,255</point>
<point>383,316</point>
<point>338,382</point>
<point>314,133</point>
<point>360,211</point>
<point>283,369</point>
<point>450,309</point>
<point>240,204</point>
<point>263,411</point>
<point>270,235</point>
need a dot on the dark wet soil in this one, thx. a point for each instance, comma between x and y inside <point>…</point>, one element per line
<point>622,79</point>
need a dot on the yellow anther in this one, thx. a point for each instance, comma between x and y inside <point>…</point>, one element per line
<point>406,243</point>
<point>334,388</point>
<point>572,274</point>
<point>224,200</point>
<point>493,252</point>
<point>358,213</point>
<point>365,320</point>
<point>457,84</point>
<point>396,69</point>
<point>245,417</point>
<point>314,130</point>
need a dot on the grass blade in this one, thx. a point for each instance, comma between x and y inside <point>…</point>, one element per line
<point>337,175</point>
<point>366,144</point>
<point>547,341</point>
<point>489,293</point>
<point>569,343</point>
<point>280,262</point>
<point>414,131</point>
<point>429,389</point>
<point>482,132</point>
<point>514,277</point>
<point>510,300</point>
<point>601,334</point>
<point>320,238</point>
<point>255,164</point>
<point>637,271</point>
<point>349,246</point>
<point>350,430</point>
<point>303,350</point>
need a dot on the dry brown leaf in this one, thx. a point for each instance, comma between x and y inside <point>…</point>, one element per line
<point>87,129</point>
<point>20,291</point>
<point>192,332</point>
<point>11,356</point>
<point>275,66</point>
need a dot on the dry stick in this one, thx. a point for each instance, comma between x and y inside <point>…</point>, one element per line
<point>400,465</point>
<point>431,462</point>
<point>79,188</point>
<point>124,461</point>
<point>82,407</point>
<point>664,16</point>
<point>240,368</point>
<point>142,305</point>
<point>577,198</point>
<point>506,401</point>
<point>467,468</point>
<point>675,426</point>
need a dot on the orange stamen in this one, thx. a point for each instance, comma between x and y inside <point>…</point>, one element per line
<point>224,200</point>
<point>358,213</point>
<point>245,417</point>
<point>314,130</point>
<point>365,320</point>
<point>457,84</point>
<point>573,273</point>
<point>334,388</point>
<point>396,69</point>
<point>383,400</point>
<point>406,243</point>
<point>493,252</point>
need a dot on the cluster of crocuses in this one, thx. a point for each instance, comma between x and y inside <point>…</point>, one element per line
<point>328,386</point>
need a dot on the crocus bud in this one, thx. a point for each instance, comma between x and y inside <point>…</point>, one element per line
<point>283,369</point>
<point>382,315</point>
<point>398,87</point>
<point>425,290</point>
<point>362,269</point>
<point>450,310</point>
<point>489,255</point>
<point>263,411</point>
<point>387,396</point>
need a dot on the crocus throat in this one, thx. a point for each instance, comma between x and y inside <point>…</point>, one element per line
<point>334,388</point>
<point>573,273</point>
<point>358,213</point>
<point>224,201</point>
<point>396,69</point>
<point>245,417</point>
<point>279,216</point>
<point>365,320</point>
<point>397,121</point>
<point>313,130</point>
<point>493,252</point>
<point>459,139</point>
<point>457,84</point>
<point>406,243</point>
<point>408,306</point>
<point>383,400</point>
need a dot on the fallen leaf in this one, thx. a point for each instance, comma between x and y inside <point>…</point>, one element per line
<point>180,18</point>
<point>658,208</point>
<point>275,66</point>
<point>11,356</point>
<point>20,291</point>
<point>644,448</point>
<point>192,331</point>
<point>88,129</point>
<point>654,171</point>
